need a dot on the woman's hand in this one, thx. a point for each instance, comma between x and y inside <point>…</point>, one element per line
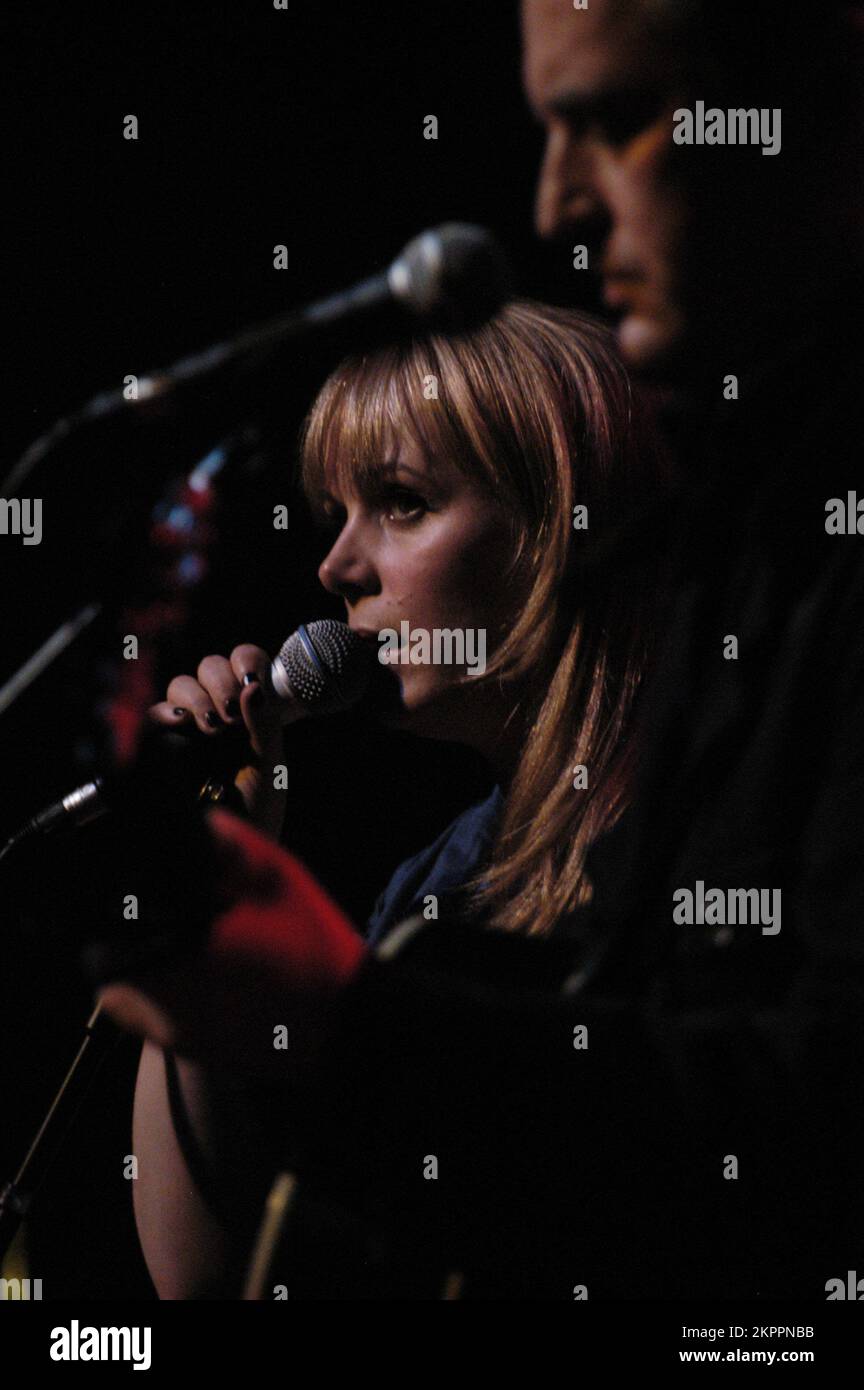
<point>232,693</point>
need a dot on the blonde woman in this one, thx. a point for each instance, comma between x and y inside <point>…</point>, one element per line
<point>463,479</point>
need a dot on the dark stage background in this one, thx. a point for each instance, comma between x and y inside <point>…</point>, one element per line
<point>256,127</point>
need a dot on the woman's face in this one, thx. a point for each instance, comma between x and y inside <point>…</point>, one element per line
<point>429,548</point>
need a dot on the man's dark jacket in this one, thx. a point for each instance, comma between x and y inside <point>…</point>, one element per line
<point>708,1140</point>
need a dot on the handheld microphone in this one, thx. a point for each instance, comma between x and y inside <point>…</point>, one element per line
<point>322,668</point>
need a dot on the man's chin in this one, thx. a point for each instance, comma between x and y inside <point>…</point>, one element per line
<point>650,345</point>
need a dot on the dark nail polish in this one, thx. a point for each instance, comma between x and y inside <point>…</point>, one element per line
<point>232,707</point>
<point>179,711</point>
<point>250,678</point>
<point>211,718</point>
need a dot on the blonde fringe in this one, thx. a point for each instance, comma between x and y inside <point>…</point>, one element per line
<point>537,406</point>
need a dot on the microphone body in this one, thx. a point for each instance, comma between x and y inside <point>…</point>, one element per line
<point>322,668</point>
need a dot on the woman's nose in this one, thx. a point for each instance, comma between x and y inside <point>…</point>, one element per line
<point>347,568</point>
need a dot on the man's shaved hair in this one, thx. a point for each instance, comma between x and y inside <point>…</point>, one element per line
<point>770,44</point>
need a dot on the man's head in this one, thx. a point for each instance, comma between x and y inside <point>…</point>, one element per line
<point>686,237</point>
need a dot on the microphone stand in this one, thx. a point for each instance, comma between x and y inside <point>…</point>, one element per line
<point>451,277</point>
<point>174,523</point>
<point>17,1195</point>
<point>44,656</point>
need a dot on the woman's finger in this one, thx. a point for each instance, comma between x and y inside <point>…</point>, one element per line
<point>250,665</point>
<point>175,716</point>
<point>216,676</point>
<point>261,712</point>
<point>260,707</point>
<point>185,692</point>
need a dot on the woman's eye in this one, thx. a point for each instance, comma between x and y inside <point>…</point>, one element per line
<point>403,505</point>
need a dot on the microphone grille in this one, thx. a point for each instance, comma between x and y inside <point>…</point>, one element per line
<point>325,666</point>
<point>456,276</point>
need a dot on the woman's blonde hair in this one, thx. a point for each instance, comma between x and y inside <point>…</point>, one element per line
<point>537,408</point>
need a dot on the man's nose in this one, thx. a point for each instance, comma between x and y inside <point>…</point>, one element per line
<point>347,569</point>
<point>567,196</point>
